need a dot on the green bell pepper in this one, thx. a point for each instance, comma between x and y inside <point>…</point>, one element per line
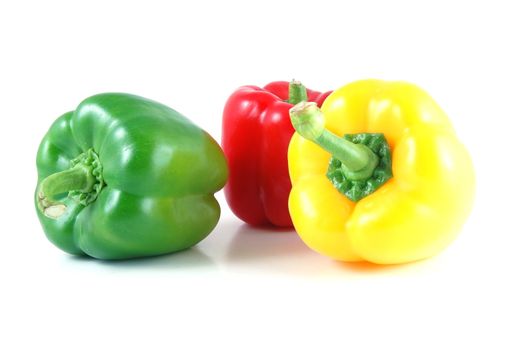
<point>123,176</point>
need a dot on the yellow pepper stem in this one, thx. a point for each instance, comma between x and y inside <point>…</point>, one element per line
<point>358,161</point>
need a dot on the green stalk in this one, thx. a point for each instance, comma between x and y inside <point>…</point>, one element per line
<point>78,178</point>
<point>297,92</point>
<point>358,161</point>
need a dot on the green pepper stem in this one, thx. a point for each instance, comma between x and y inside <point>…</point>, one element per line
<point>78,178</point>
<point>358,161</point>
<point>297,92</point>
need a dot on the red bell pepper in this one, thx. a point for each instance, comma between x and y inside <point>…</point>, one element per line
<point>255,139</point>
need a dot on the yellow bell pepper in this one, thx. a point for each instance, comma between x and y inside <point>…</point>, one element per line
<point>412,215</point>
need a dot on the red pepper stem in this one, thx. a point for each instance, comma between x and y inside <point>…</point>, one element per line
<point>358,161</point>
<point>297,92</point>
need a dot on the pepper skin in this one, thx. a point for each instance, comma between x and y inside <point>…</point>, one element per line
<point>124,177</point>
<point>256,135</point>
<point>417,212</point>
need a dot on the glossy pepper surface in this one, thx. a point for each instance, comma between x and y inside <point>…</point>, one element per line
<point>123,176</point>
<point>408,199</point>
<point>256,136</point>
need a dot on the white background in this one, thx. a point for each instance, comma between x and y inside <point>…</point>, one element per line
<point>242,287</point>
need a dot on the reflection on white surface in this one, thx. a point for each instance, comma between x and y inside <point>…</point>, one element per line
<point>237,248</point>
<point>282,252</point>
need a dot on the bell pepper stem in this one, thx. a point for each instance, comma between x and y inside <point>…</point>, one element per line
<point>358,161</point>
<point>78,178</point>
<point>297,92</point>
